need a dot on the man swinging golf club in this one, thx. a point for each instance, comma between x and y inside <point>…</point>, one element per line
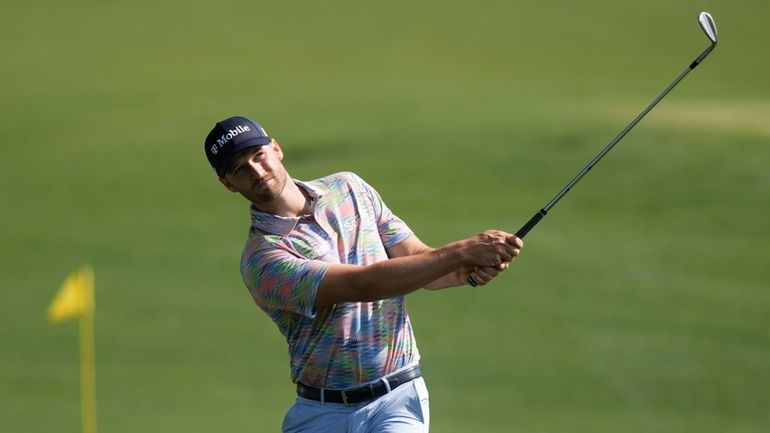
<point>330,264</point>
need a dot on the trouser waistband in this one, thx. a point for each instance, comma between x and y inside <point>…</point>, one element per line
<point>362,393</point>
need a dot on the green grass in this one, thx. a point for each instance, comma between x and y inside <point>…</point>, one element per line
<point>640,304</point>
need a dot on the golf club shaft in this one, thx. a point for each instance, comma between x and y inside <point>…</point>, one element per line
<point>542,212</point>
<point>706,23</point>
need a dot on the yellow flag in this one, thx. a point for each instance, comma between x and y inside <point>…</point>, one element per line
<point>75,297</point>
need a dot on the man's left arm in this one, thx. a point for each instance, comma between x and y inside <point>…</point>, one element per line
<point>413,245</point>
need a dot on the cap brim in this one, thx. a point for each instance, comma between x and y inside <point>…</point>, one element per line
<point>256,141</point>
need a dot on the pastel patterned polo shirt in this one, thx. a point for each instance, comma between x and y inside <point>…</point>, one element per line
<point>284,261</point>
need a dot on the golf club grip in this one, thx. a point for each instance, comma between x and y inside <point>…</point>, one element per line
<point>531,223</point>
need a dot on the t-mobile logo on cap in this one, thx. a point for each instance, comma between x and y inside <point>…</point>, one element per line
<point>226,137</point>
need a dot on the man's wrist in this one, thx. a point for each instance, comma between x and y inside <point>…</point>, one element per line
<point>455,254</point>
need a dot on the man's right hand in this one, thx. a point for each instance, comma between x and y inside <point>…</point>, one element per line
<point>491,249</point>
<point>500,247</point>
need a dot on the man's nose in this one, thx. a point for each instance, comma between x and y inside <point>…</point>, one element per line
<point>257,168</point>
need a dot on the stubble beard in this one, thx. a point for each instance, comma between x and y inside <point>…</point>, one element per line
<point>271,192</point>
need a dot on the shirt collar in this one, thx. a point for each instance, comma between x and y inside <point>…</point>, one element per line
<point>282,226</point>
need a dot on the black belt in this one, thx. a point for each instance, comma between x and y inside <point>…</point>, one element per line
<point>361,393</point>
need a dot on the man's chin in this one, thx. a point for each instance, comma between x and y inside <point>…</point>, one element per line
<point>267,194</point>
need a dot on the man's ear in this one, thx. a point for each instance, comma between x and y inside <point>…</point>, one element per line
<point>227,184</point>
<point>278,150</point>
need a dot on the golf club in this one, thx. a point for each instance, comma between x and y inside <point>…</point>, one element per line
<point>706,23</point>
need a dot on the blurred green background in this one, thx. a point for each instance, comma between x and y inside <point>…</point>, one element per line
<point>640,304</point>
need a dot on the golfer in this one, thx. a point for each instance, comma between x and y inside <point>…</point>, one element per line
<point>330,264</point>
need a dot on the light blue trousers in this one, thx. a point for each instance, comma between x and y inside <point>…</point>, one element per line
<point>403,410</point>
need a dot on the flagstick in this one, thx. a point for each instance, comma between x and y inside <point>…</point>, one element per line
<point>87,373</point>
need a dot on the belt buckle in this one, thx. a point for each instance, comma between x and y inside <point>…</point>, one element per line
<point>344,397</point>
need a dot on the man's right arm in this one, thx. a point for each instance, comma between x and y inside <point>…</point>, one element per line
<point>402,275</point>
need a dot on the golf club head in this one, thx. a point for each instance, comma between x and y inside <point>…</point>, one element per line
<point>708,26</point>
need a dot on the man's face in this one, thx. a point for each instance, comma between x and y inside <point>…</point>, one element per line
<point>257,174</point>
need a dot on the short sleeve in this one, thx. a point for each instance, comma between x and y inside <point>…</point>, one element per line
<point>393,230</point>
<point>277,279</point>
